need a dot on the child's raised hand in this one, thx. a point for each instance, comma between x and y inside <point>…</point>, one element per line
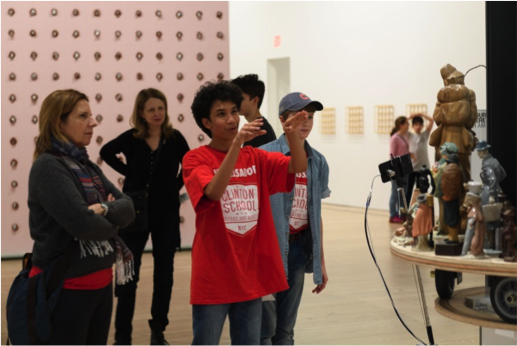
<point>293,123</point>
<point>250,131</point>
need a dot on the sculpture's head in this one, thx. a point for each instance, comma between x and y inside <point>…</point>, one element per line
<point>482,153</point>
<point>456,77</point>
<point>482,149</point>
<point>472,199</point>
<point>452,158</point>
<point>506,205</point>
<point>448,149</point>
<point>446,71</point>
<point>509,214</point>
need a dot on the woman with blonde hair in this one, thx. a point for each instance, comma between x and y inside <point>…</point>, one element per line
<point>75,209</point>
<point>153,151</point>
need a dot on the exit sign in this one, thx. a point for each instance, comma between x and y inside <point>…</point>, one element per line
<point>277,41</point>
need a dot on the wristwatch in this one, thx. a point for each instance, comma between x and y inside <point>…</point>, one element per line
<point>105,208</point>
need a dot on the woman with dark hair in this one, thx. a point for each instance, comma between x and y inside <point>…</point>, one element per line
<point>140,146</point>
<point>75,210</point>
<point>399,146</point>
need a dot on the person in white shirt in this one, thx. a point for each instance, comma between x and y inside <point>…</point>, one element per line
<point>418,143</point>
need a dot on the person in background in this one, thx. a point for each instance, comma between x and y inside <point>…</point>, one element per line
<point>399,146</point>
<point>151,123</point>
<point>418,144</point>
<point>235,255</point>
<point>252,95</point>
<point>71,200</point>
<point>301,235</point>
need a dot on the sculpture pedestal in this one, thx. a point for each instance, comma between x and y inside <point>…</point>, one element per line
<point>444,249</point>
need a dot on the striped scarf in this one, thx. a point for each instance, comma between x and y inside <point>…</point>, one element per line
<point>78,160</point>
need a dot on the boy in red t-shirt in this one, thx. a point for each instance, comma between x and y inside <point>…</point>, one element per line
<point>235,256</point>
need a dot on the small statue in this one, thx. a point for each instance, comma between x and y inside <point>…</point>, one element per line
<point>475,235</point>
<point>455,114</point>
<point>509,236</point>
<point>452,189</point>
<point>423,182</point>
<point>503,198</point>
<point>501,226</point>
<point>492,173</point>
<point>407,228</point>
<point>422,223</point>
<point>445,150</point>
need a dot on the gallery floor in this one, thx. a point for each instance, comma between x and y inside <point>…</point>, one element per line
<point>353,309</point>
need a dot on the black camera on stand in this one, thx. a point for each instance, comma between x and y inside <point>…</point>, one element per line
<point>396,169</point>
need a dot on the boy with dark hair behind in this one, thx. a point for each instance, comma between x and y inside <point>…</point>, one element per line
<point>418,144</point>
<point>235,255</point>
<point>252,95</point>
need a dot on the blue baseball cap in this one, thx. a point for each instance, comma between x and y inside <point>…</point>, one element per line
<point>296,101</point>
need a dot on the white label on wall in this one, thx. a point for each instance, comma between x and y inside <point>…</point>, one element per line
<point>480,127</point>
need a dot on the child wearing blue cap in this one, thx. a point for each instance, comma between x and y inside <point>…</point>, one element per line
<point>300,234</point>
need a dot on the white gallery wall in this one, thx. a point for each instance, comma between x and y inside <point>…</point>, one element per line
<point>360,54</point>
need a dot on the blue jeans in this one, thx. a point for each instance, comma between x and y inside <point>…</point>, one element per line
<point>279,316</point>
<point>394,200</point>
<point>208,321</point>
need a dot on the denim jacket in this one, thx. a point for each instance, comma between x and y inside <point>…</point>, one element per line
<point>281,204</point>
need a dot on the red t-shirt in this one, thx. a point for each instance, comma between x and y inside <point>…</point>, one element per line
<point>93,281</point>
<point>298,221</point>
<point>235,254</point>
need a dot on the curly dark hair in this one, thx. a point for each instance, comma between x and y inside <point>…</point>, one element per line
<point>207,94</point>
<point>251,85</point>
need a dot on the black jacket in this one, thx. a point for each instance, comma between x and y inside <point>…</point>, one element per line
<point>167,180</point>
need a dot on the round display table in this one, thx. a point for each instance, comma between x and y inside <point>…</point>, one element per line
<point>501,275</point>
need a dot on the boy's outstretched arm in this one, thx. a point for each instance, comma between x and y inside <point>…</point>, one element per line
<point>215,189</point>
<point>298,163</point>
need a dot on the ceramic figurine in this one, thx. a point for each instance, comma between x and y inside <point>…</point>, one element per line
<point>410,217</point>
<point>452,189</point>
<point>492,173</point>
<point>445,150</point>
<point>422,182</point>
<point>422,223</point>
<point>476,231</point>
<point>509,236</point>
<point>404,233</point>
<point>455,114</point>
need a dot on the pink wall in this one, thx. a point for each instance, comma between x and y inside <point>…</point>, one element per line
<point>22,44</point>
